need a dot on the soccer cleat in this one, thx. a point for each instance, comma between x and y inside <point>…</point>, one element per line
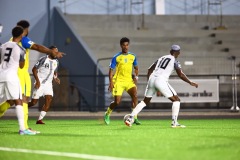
<point>37,132</point>
<point>137,122</point>
<point>107,119</point>
<point>177,125</point>
<point>40,122</point>
<point>26,132</point>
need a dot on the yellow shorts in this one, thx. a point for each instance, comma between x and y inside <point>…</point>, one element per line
<point>25,81</point>
<point>119,87</point>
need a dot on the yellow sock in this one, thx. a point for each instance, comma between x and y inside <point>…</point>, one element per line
<point>109,111</point>
<point>3,108</point>
<point>25,111</point>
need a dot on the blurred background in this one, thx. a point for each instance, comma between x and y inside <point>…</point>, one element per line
<point>88,31</point>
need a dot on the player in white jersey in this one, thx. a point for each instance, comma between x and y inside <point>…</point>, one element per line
<point>158,75</point>
<point>44,71</point>
<point>12,57</point>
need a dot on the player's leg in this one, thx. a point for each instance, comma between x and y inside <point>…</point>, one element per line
<point>25,110</point>
<point>33,102</point>
<point>166,89</point>
<point>133,93</point>
<point>28,87</point>
<point>175,111</point>
<point>149,92</point>
<point>14,94</point>
<point>117,93</point>
<point>22,77</point>
<point>4,107</point>
<point>45,108</point>
<point>113,104</point>
<point>20,116</point>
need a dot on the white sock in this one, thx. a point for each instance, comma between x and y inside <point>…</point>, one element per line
<point>175,111</point>
<point>42,115</point>
<point>138,108</point>
<point>20,117</point>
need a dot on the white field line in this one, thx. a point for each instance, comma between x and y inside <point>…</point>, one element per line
<point>63,154</point>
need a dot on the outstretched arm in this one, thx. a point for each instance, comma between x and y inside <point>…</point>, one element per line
<point>185,78</point>
<point>43,49</point>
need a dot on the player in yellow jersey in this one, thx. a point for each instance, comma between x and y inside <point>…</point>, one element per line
<point>123,62</point>
<point>23,73</point>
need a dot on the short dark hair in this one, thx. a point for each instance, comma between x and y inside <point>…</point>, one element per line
<point>52,47</point>
<point>124,39</point>
<point>17,31</point>
<point>23,23</point>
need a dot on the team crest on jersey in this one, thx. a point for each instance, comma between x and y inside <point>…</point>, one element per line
<point>46,65</point>
<point>30,42</point>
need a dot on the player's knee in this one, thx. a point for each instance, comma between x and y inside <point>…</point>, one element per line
<point>174,98</point>
<point>49,99</point>
<point>117,103</point>
<point>177,98</point>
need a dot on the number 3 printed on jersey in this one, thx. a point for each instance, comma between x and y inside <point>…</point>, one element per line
<point>7,55</point>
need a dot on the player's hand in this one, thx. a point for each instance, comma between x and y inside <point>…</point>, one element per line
<point>57,80</point>
<point>194,84</point>
<point>110,87</point>
<point>135,79</point>
<point>37,85</point>
<point>58,54</point>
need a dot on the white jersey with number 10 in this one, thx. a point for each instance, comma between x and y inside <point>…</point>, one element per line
<point>165,65</point>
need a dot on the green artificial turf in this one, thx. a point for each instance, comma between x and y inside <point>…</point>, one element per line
<point>154,139</point>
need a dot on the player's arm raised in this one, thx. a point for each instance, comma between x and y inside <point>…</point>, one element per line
<point>46,50</point>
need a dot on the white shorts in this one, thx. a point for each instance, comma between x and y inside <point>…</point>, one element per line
<point>10,90</point>
<point>43,90</point>
<point>159,84</point>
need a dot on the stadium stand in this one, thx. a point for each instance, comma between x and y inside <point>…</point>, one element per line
<point>209,48</point>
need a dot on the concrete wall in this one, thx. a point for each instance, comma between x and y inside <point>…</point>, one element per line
<point>79,60</point>
<point>47,30</point>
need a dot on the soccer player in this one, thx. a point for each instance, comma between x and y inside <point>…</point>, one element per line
<point>158,75</point>
<point>44,71</point>
<point>122,80</point>
<point>23,74</point>
<point>12,56</point>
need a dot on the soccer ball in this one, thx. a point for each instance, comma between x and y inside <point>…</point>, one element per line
<point>126,117</point>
